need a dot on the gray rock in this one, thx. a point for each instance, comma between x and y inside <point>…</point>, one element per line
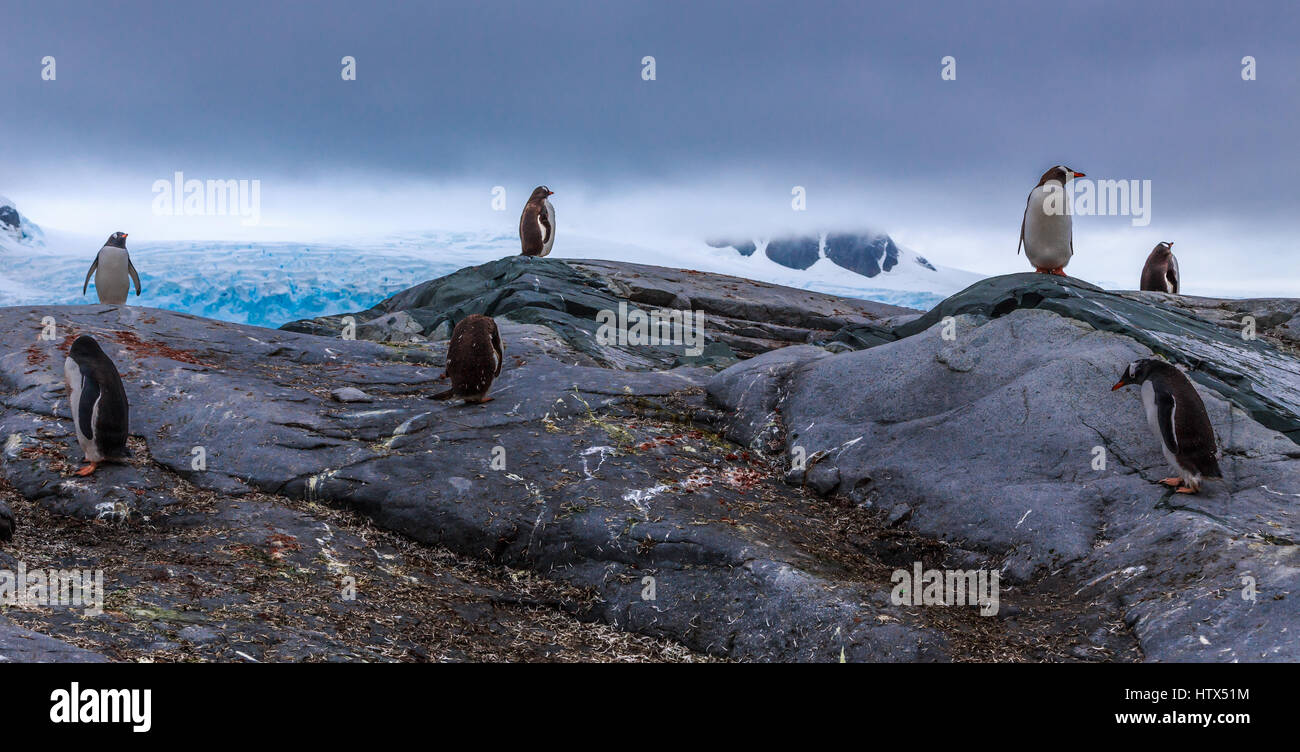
<point>350,394</point>
<point>198,634</point>
<point>988,442</point>
<point>397,327</point>
<point>19,645</point>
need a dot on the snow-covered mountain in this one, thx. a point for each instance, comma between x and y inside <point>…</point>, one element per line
<point>855,264</point>
<point>15,228</point>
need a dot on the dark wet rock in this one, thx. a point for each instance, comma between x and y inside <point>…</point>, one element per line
<point>741,318</point>
<point>1256,375</point>
<point>988,439</point>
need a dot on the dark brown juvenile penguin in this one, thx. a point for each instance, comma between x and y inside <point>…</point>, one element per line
<point>1160,274</point>
<point>537,223</point>
<point>1176,415</point>
<point>473,359</point>
<point>1046,231</point>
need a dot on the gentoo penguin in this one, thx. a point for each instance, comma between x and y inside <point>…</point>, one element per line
<point>7,523</point>
<point>114,264</point>
<point>537,223</point>
<point>1161,270</point>
<point>1045,230</point>
<point>1176,415</point>
<point>473,359</point>
<point>97,402</point>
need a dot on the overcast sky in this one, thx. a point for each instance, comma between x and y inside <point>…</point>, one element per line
<point>749,100</point>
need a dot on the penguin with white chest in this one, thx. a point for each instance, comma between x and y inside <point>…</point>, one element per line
<point>111,268</point>
<point>1046,231</point>
<point>474,358</point>
<point>98,404</point>
<point>1160,273</point>
<point>1176,415</point>
<point>537,223</point>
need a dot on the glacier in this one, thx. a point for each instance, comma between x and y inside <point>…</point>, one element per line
<point>270,284</point>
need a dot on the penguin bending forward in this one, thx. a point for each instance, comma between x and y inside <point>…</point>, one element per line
<point>1176,415</point>
<point>97,402</point>
<point>114,264</point>
<point>537,223</point>
<point>1161,270</point>
<point>1046,230</point>
<point>474,358</point>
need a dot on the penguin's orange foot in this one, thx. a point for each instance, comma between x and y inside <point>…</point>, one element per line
<point>486,399</point>
<point>1042,271</point>
<point>1172,482</point>
<point>1186,490</point>
<point>1058,271</point>
<point>88,469</point>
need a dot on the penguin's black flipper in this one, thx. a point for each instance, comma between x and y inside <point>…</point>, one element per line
<point>442,395</point>
<point>130,268</point>
<point>85,285</point>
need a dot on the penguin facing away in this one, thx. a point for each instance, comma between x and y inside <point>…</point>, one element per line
<point>98,404</point>
<point>114,265</point>
<point>1160,273</point>
<point>537,223</point>
<point>1046,231</point>
<point>474,358</point>
<point>1176,415</point>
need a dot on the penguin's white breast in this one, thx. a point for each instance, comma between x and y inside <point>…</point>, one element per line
<point>1047,235</point>
<point>111,281</point>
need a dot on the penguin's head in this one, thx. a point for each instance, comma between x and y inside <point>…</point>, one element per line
<point>1136,372</point>
<point>1163,248</point>
<point>84,347</point>
<point>117,240</point>
<point>541,192</point>
<point>1060,174</point>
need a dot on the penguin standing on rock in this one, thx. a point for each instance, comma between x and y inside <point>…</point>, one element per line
<point>537,223</point>
<point>1176,415</point>
<point>97,402</point>
<point>1046,231</point>
<point>474,358</point>
<point>114,264</point>
<point>1160,274</point>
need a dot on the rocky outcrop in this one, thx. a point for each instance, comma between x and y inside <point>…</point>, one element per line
<point>742,318</point>
<point>618,490</point>
<point>989,424</point>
